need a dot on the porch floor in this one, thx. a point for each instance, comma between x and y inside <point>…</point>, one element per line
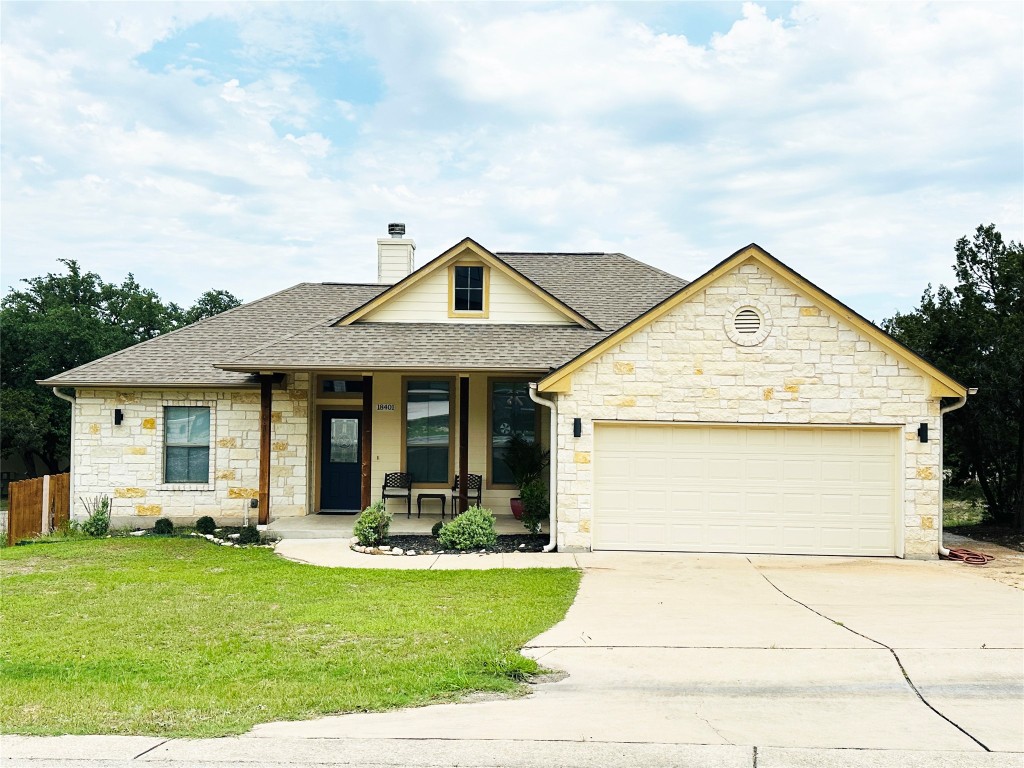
<point>340,526</point>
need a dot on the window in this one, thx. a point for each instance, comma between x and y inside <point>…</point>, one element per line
<point>341,386</point>
<point>428,430</point>
<point>468,290</point>
<point>186,444</point>
<point>512,413</point>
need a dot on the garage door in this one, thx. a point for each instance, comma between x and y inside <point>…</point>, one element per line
<point>786,490</point>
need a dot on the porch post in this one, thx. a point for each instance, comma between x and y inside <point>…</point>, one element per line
<point>266,401</point>
<point>367,440</point>
<point>463,443</point>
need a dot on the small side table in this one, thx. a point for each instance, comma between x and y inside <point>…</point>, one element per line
<point>421,496</point>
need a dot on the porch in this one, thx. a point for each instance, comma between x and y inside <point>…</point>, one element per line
<point>340,526</point>
<point>327,440</point>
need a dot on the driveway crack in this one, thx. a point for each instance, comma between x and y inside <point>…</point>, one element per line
<point>880,644</point>
<point>707,722</point>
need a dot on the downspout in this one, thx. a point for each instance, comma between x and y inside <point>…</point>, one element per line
<point>71,452</point>
<point>960,402</point>
<point>552,465</point>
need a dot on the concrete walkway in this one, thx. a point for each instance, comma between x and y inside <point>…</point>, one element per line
<point>692,660</point>
<point>335,553</point>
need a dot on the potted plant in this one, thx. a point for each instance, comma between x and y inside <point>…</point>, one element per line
<point>526,462</point>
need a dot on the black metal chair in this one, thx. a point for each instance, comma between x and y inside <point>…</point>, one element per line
<point>398,485</point>
<point>474,488</point>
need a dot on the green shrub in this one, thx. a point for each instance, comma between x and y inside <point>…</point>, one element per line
<point>98,521</point>
<point>473,529</point>
<point>436,528</point>
<point>163,527</point>
<point>373,525</point>
<point>205,525</point>
<point>249,535</point>
<point>534,495</point>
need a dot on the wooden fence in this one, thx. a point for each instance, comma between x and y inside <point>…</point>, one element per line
<point>37,506</point>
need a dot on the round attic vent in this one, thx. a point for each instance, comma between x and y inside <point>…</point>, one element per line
<point>748,323</point>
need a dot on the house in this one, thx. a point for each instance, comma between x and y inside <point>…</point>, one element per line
<point>746,411</point>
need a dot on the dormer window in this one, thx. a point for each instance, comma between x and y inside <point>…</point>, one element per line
<point>468,285</point>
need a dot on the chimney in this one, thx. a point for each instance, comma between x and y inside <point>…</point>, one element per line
<point>394,255</point>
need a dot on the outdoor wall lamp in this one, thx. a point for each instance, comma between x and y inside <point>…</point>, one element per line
<point>577,427</point>
<point>922,432</point>
<point>118,417</point>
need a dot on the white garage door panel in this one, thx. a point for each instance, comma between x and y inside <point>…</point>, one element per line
<point>778,489</point>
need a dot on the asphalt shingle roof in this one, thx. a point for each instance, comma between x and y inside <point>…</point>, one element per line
<point>293,329</point>
<point>186,356</point>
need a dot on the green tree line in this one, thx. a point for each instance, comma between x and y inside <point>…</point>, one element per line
<point>63,320</point>
<point>974,331</point>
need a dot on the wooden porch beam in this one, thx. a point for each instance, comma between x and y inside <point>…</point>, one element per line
<point>367,452</point>
<point>463,443</point>
<point>266,403</point>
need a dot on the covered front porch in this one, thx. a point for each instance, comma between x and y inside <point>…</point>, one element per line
<point>361,426</point>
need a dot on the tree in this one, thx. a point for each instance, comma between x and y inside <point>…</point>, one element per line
<point>60,321</point>
<point>975,332</point>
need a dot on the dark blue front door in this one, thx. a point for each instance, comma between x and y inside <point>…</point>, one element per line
<point>340,461</point>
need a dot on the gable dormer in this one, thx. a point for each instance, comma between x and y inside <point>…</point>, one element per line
<point>467,284</point>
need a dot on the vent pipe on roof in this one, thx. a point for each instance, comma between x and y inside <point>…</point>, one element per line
<point>394,255</point>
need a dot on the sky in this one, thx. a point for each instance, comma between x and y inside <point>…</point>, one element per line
<point>249,147</point>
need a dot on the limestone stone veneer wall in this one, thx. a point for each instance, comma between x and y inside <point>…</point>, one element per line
<point>126,462</point>
<point>811,369</point>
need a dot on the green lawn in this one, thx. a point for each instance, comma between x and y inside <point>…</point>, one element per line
<point>177,637</point>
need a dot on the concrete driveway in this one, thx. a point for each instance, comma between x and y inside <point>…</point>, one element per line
<point>789,652</point>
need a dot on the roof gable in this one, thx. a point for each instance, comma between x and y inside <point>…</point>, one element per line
<point>942,385</point>
<point>429,279</point>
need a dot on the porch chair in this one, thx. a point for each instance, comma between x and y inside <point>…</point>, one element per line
<point>398,485</point>
<point>473,491</point>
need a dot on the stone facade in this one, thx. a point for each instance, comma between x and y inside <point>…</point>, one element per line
<point>125,461</point>
<point>808,367</point>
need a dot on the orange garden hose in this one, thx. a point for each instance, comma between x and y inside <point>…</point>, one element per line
<point>969,556</point>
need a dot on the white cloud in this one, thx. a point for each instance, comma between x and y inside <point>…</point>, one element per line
<point>855,141</point>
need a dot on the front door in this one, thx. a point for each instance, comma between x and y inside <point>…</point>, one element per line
<point>340,461</point>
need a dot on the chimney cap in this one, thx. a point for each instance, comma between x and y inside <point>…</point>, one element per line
<point>396,230</point>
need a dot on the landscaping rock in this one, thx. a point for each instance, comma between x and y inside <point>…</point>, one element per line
<point>384,548</point>
<point>397,552</point>
<point>137,533</point>
<point>234,535</point>
<point>411,552</point>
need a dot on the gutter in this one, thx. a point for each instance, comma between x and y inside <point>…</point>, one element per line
<point>960,402</point>
<point>552,466</point>
<point>71,452</point>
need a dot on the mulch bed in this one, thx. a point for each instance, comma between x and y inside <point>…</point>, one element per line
<point>1004,537</point>
<point>506,543</point>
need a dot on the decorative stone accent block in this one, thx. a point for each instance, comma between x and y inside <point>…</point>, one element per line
<point>136,450</point>
<point>129,493</point>
<point>624,367</point>
<point>243,493</point>
<point>280,445</point>
<point>148,510</point>
<point>149,423</point>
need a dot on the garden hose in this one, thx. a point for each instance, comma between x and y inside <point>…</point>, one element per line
<point>969,556</point>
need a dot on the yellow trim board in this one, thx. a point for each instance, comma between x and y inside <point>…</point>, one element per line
<point>942,385</point>
<point>467,249</point>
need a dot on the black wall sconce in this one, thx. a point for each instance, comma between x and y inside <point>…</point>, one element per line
<point>922,432</point>
<point>577,427</point>
<point>118,417</point>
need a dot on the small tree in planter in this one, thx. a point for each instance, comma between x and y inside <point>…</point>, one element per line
<point>527,462</point>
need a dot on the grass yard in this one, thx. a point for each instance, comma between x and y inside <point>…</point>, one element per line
<point>178,637</point>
